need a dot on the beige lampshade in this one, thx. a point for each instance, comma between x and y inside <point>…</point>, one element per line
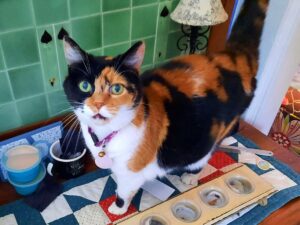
<point>199,12</point>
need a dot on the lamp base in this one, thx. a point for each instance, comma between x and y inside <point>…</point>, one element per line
<point>194,38</point>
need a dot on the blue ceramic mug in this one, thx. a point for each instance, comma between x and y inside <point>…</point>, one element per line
<point>22,163</point>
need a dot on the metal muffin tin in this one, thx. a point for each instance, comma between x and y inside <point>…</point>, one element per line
<point>209,202</point>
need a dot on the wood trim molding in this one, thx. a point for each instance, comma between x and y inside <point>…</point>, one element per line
<point>218,33</point>
<point>274,77</point>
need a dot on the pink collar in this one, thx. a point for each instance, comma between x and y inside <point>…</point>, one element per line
<point>102,160</point>
<point>104,141</point>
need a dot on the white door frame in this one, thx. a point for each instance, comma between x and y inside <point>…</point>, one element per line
<point>276,75</point>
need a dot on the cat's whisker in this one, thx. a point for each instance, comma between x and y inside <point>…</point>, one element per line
<point>75,102</point>
<point>68,117</point>
<point>62,111</point>
<point>78,135</point>
<point>60,103</point>
<point>118,64</point>
<point>67,121</point>
<point>87,59</point>
<point>82,71</point>
<point>74,123</point>
<point>72,133</point>
<point>70,121</point>
<point>85,65</point>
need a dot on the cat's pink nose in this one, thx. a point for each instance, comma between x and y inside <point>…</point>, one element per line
<point>98,105</point>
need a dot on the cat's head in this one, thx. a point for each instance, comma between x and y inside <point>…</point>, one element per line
<point>103,90</point>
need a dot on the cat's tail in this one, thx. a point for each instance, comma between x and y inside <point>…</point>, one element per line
<point>247,30</point>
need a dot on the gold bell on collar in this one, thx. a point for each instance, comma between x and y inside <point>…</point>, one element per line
<point>101,154</point>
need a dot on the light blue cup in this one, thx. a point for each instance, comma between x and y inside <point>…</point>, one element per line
<point>27,174</point>
<point>30,187</point>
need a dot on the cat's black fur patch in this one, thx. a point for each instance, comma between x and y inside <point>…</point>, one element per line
<point>119,202</point>
<point>238,101</point>
<point>87,70</point>
<point>146,106</point>
<point>246,24</point>
<point>173,65</point>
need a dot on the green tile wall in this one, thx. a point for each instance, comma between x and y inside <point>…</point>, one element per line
<point>144,21</point>
<point>32,73</point>
<point>5,90</point>
<point>115,27</point>
<point>87,32</point>
<point>20,47</point>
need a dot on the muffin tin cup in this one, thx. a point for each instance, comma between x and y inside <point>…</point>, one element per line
<point>240,185</point>
<point>154,220</point>
<point>214,197</point>
<point>186,211</point>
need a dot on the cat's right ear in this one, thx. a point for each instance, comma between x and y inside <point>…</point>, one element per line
<point>73,52</point>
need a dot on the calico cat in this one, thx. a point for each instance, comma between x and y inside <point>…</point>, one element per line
<point>167,118</point>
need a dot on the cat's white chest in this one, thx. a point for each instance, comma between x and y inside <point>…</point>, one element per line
<point>124,144</point>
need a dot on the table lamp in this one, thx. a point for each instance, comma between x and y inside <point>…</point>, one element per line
<point>193,15</point>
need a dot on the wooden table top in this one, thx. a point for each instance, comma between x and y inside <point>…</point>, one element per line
<point>288,214</point>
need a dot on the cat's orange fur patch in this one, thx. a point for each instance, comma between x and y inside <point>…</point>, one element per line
<point>209,73</point>
<point>156,128</point>
<point>108,58</point>
<point>198,79</point>
<point>139,116</point>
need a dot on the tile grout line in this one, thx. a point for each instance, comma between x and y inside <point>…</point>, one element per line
<point>173,31</point>
<point>122,42</point>
<point>102,26</point>
<point>17,30</point>
<point>130,22</point>
<point>68,21</point>
<point>25,98</point>
<point>145,37</point>
<point>56,53</point>
<point>13,102</point>
<point>128,8</point>
<point>156,31</point>
<point>24,66</point>
<point>69,9</point>
<point>40,58</point>
<point>6,73</point>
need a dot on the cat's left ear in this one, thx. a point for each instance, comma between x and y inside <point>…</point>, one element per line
<point>135,55</point>
<point>73,52</point>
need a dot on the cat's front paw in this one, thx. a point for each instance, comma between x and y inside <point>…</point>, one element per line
<point>189,178</point>
<point>114,209</point>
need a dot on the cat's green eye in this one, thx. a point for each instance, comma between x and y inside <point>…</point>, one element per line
<point>116,89</point>
<point>85,86</point>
